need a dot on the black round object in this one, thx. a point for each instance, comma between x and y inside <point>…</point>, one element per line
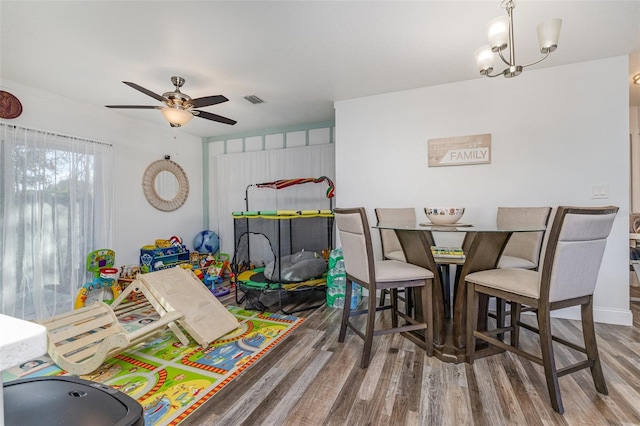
<point>68,401</point>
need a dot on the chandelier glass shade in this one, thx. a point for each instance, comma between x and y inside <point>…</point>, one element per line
<point>176,116</point>
<point>500,35</point>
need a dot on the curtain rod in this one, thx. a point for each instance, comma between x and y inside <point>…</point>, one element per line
<point>45,132</point>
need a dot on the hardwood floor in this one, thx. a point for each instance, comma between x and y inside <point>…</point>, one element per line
<point>311,379</point>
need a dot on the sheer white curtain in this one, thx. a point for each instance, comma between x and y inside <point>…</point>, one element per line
<point>56,206</point>
<point>236,171</point>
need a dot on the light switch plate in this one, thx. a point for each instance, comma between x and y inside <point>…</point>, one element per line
<point>600,191</point>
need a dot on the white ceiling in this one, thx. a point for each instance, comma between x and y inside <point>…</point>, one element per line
<point>298,56</point>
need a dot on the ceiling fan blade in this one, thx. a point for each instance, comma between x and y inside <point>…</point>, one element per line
<point>208,101</point>
<point>214,117</point>
<point>145,91</point>
<point>133,106</point>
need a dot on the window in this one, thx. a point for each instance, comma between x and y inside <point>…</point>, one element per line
<point>56,207</point>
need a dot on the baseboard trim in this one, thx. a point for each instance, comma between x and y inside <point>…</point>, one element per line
<point>602,315</point>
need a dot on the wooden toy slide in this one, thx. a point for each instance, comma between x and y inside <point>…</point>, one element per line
<point>81,340</point>
<point>177,289</point>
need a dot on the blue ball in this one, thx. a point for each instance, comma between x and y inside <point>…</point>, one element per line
<point>206,242</point>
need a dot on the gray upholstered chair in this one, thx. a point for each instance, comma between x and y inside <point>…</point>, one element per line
<point>391,248</point>
<point>523,248</point>
<point>364,270</point>
<point>567,277</point>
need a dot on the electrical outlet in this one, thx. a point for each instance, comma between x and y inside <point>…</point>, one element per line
<point>600,191</point>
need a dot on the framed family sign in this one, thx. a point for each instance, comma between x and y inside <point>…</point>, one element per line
<point>459,150</point>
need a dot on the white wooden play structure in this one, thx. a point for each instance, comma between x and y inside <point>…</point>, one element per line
<point>81,340</point>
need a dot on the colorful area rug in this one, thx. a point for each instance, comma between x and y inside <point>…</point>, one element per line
<point>170,380</point>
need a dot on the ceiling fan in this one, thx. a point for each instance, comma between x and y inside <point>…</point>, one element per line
<point>179,107</point>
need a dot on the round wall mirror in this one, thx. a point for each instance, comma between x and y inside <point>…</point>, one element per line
<point>165,185</point>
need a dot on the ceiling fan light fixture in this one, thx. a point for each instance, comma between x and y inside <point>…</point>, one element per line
<point>178,107</point>
<point>176,116</point>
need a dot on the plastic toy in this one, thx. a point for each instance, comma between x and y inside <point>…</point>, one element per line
<point>198,273</point>
<point>164,254</point>
<point>221,265</point>
<point>207,261</point>
<point>104,286</point>
<point>206,242</point>
<point>215,275</point>
<point>213,284</point>
<point>163,243</point>
<point>129,272</point>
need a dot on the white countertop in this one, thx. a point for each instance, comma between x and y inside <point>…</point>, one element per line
<point>20,341</point>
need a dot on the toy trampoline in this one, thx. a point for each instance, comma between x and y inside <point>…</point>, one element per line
<point>282,253</point>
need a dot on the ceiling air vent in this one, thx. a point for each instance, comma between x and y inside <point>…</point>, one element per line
<point>254,99</point>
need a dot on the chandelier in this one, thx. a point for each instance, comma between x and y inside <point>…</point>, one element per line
<point>500,34</point>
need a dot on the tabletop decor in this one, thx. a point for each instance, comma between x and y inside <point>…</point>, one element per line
<point>444,215</point>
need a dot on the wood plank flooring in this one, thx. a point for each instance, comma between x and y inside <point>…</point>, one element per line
<point>311,379</point>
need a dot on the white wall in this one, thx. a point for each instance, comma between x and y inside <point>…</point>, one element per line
<point>555,133</point>
<point>225,185</point>
<point>238,170</point>
<point>136,145</point>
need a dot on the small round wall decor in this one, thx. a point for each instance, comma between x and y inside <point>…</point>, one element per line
<point>165,185</point>
<point>10,106</point>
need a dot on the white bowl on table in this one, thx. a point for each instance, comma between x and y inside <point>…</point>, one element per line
<point>444,215</point>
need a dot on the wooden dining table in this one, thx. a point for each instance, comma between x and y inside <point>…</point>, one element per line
<point>483,246</point>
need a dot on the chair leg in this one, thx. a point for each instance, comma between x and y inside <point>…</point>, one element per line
<point>591,347</point>
<point>473,299</point>
<point>548,360</point>
<point>501,313</point>
<point>408,301</point>
<point>383,294</point>
<point>368,336</point>
<point>346,310</point>
<point>394,307</point>
<point>516,309</point>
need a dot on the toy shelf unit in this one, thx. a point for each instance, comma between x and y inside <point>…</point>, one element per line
<point>280,253</point>
<point>158,258</point>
